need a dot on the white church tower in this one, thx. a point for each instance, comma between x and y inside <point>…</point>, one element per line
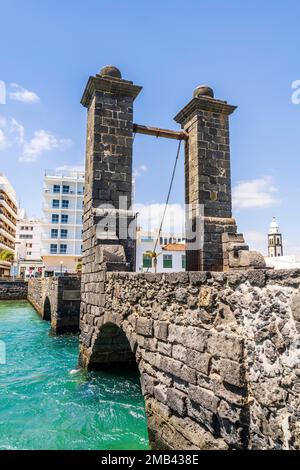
<point>274,240</point>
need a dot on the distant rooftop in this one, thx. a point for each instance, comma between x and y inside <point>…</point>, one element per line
<point>174,247</point>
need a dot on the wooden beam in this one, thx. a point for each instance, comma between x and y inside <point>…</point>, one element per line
<point>158,132</point>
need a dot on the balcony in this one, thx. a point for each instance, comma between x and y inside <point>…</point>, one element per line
<point>4,197</point>
<point>11,213</point>
<point>72,193</point>
<point>7,235</point>
<point>49,207</point>
<point>67,174</point>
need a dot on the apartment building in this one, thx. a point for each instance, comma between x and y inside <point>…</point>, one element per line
<point>170,250</point>
<point>61,227</point>
<point>8,221</point>
<point>28,261</point>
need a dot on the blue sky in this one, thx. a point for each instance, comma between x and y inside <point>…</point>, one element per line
<point>247,51</point>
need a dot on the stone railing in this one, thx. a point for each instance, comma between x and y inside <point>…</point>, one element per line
<point>13,290</point>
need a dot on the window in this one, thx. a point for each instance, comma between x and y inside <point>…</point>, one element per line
<point>63,249</point>
<point>167,261</point>
<point>53,249</point>
<point>25,237</point>
<point>55,218</point>
<point>81,248</point>
<point>55,203</point>
<point>183,261</point>
<point>161,240</point>
<point>64,218</point>
<point>147,261</point>
<point>64,233</point>
<point>66,189</point>
<point>65,204</point>
<point>29,253</point>
<point>56,188</point>
<point>54,233</point>
<point>28,245</point>
<point>147,239</point>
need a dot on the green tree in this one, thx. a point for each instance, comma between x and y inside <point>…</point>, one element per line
<point>153,255</point>
<point>6,255</point>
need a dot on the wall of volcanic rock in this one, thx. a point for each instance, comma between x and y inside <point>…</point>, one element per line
<point>218,353</point>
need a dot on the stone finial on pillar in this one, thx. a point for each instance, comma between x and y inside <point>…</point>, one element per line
<point>109,100</point>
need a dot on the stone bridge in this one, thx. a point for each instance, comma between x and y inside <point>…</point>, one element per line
<point>57,300</point>
<point>217,347</point>
<point>218,353</point>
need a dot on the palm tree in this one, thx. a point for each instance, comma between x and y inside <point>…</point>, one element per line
<point>79,267</point>
<point>6,255</point>
<point>153,255</point>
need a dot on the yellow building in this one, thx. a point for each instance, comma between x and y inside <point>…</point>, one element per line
<point>8,222</point>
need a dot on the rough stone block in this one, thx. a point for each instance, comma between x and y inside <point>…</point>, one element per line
<point>225,345</point>
<point>195,338</point>
<point>144,326</point>
<point>161,330</point>
<point>206,398</point>
<point>230,371</point>
<point>176,401</point>
<point>198,361</point>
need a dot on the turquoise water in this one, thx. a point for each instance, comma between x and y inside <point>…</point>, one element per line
<point>44,406</point>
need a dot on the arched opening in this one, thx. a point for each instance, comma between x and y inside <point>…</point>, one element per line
<point>111,349</point>
<point>47,310</point>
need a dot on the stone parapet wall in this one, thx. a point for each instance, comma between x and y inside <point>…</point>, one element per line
<point>218,353</point>
<point>57,300</point>
<point>13,290</point>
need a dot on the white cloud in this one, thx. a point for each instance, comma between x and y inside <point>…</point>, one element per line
<point>256,193</point>
<point>42,141</point>
<point>3,140</point>
<point>21,94</point>
<point>10,132</point>
<point>18,130</point>
<point>139,170</point>
<point>150,216</point>
<point>257,241</point>
<point>13,133</point>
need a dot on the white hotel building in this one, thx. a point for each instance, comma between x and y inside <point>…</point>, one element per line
<point>61,230</point>
<point>28,261</point>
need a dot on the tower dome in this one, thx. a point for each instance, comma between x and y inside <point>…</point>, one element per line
<point>274,227</point>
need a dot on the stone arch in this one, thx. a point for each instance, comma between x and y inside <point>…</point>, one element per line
<point>111,349</point>
<point>46,314</point>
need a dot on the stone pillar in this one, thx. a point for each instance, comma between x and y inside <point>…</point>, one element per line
<point>109,100</point>
<point>207,175</point>
<point>108,190</point>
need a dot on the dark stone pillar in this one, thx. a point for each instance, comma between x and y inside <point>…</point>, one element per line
<point>108,189</point>
<point>207,176</point>
<point>109,100</point>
